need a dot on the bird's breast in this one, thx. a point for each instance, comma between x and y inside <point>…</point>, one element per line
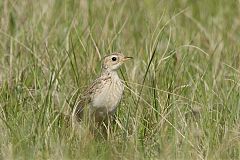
<point>108,96</point>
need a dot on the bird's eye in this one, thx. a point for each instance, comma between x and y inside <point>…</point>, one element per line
<point>114,58</point>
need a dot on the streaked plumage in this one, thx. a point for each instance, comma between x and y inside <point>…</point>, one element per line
<point>104,95</point>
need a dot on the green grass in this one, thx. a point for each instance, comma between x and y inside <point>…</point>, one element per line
<point>182,99</point>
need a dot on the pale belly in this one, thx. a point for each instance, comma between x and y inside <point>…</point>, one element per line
<point>106,101</point>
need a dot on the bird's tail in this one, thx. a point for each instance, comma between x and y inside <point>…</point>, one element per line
<point>78,110</point>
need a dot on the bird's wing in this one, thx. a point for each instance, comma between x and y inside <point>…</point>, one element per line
<point>86,98</point>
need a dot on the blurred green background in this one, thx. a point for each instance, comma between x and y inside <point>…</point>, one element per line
<point>182,89</point>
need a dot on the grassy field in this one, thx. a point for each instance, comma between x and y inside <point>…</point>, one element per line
<point>182,95</point>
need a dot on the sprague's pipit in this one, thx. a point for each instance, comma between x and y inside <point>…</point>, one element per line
<point>105,93</point>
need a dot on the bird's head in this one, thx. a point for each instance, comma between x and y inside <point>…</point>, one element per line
<point>114,61</point>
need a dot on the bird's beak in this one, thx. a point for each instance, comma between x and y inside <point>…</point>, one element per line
<point>127,58</point>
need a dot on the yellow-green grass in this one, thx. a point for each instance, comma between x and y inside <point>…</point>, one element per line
<point>182,96</point>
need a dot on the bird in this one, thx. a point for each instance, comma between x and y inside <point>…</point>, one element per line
<point>104,94</point>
